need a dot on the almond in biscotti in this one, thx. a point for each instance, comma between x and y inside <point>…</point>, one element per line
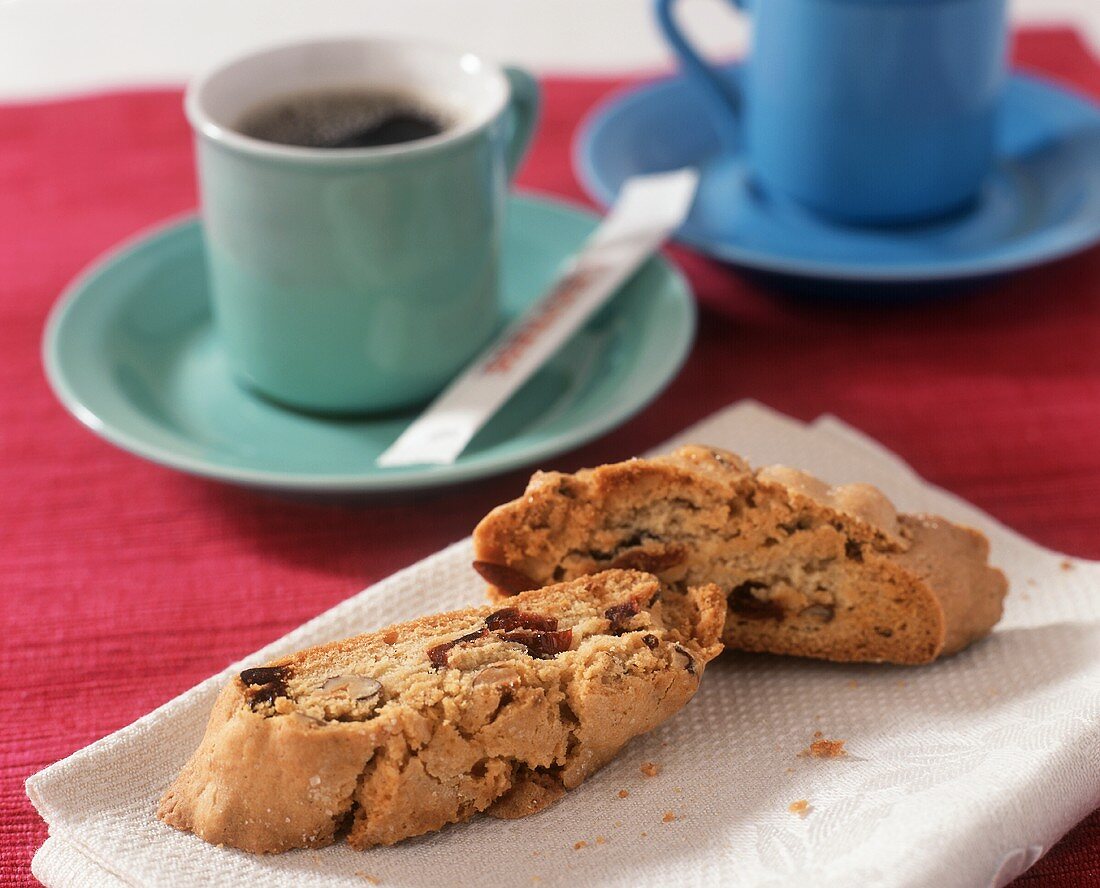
<point>399,732</point>
<point>807,569</point>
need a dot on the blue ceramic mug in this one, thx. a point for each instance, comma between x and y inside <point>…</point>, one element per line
<point>357,279</point>
<point>866,111</point>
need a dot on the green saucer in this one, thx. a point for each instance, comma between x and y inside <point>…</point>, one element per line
<point>130,351</point>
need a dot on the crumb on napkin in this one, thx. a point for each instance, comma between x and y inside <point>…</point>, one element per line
<point>800,807</point>
<point>822,747</point>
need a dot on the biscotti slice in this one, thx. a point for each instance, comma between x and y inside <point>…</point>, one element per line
<point>808,570</point>
<point>399,732</point>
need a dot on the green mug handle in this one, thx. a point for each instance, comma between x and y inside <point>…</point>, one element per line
<point>524,107</point>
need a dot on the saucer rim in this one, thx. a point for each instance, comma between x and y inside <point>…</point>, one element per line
<point>595,121</point>
<point>379,480</point>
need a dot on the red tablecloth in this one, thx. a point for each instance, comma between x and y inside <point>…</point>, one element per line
<point>123,583</point>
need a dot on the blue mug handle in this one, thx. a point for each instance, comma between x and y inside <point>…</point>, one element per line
<point>524,110</point>
<point>722,96</point>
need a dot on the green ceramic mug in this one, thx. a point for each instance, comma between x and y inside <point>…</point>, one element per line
<point>357,279</point>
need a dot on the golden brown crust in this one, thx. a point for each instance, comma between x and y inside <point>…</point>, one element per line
<point>399,732</point>
<point>810,570</point>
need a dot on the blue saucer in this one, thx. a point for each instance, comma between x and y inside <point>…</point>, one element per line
<point>1042,201</point>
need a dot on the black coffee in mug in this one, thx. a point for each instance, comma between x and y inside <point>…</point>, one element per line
<point>343,118</point>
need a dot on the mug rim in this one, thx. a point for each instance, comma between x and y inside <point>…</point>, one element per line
<point>204,125</point>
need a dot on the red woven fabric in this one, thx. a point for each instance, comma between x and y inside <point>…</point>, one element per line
<point>123,583</point>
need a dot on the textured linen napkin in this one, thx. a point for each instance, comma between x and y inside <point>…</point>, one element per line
<point>958,774</point>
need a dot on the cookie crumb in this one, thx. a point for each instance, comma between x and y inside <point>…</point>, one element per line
<point>669,817</point>
<point>601,840</point>
<point>824,748</point>
<point>623,793</point>
<point>367,877</point>
<point>617,823</point>
<point>1066,565</point>
<point>790,770</point>
<point>650,769</point>
<point>643,834</point>
<point>801,808</point>
<point>677,789</point>
<point>578,845</point>
<point>818,734</point>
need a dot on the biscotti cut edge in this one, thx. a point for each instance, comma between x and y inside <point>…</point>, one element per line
<point>494,728</point>
<point>702,514</point>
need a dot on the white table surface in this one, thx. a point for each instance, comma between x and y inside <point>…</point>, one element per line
<point>51,47</point>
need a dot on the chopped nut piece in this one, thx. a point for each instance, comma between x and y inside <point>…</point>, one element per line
<point>502,676</point>
<point>669,817</point>
<point>650,769</point>
<point>689,660</point>
<point>601,840</point>
<point>623,793</point>
<point>578,845</point>
<point>357,687</point>
<point>820,611</point>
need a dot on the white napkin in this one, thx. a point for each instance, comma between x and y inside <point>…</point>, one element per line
<point>959,774</point>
